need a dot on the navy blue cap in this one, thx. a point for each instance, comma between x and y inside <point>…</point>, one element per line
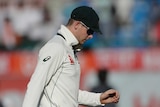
<point>88,16</point>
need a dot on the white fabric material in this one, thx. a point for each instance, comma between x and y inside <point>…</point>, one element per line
<point>60,75</point>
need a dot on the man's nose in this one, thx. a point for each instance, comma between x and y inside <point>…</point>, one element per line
<point>90,36</point>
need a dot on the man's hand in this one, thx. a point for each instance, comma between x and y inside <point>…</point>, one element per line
<point>109,96</point>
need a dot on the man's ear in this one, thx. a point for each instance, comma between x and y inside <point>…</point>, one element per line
<point>76,24</point>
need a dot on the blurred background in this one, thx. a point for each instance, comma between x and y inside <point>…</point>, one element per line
<point>125,57</point>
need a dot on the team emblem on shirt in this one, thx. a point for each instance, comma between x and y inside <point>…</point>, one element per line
<point>71,60</point>
<point>47,58</point>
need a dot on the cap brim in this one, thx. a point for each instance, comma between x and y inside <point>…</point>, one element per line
<point>97,31</point>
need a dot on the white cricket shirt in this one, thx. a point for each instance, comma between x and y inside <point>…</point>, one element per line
<point>55,81</point>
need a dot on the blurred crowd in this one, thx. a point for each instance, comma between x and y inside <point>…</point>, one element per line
<point>24,24</point>
<point>27,24</point>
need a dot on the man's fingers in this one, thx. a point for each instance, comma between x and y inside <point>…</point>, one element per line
<point>112,95</point>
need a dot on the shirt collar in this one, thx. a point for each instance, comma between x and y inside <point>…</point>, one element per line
<point>70,38</point>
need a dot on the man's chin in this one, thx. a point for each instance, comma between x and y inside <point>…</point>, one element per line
<point>82,42</point>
